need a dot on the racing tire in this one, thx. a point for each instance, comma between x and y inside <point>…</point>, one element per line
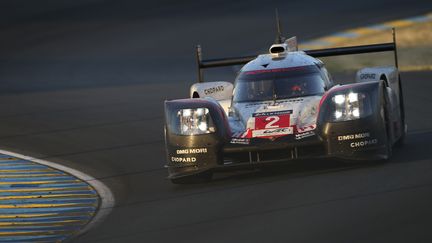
<point>192,179</point>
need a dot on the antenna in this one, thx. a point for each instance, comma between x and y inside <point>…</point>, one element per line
<point>279,38</point>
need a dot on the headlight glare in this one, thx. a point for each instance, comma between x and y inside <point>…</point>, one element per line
<point>194,121</point>
<point>352,97</point>
<point>339,99</point>
<point>356,112</point>
<point>350,106</point>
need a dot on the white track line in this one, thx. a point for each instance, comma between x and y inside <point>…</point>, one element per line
<point>105,194</point>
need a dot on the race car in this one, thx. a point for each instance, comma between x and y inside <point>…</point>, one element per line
<point>283,106</point>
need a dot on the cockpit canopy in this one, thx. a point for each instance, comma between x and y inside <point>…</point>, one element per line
<point>281,83</point>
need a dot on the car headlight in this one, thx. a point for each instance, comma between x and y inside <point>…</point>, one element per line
<point>195,121</point>
<point>350,106</point>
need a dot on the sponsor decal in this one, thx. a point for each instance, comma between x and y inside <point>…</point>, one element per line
<point>244,141</point>
<point>304,135</point>
<point>272,123</point>
<point>365,137</point>
<point>363,143</point>
<point>293,100</point>
<point>183,159</point>
<point>272,120</point>
<point>353,136</point>
<point>367,76</point>
<point>192,151</point>
<point>272,132</point>
<point>272,113</point>
<point>306,128</point>
<point>214,90</point>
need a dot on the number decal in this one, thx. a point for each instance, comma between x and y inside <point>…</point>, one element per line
<point>271,121</point>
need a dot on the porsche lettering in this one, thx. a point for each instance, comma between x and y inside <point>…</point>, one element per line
<point>273,113</point>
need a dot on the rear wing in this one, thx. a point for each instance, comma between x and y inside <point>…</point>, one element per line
<point>338,51</point>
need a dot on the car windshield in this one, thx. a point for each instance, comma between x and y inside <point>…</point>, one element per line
<point>283,83</point>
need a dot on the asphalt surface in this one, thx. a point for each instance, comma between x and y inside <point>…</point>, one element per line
<point>83,84</point>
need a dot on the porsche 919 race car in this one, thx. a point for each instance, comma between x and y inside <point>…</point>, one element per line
<point>284,106</point>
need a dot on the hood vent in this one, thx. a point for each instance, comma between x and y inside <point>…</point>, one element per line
<point>277,49</point>
<point>281,49</point>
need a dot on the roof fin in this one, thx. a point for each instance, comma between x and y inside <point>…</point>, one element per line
<point>292,44</point>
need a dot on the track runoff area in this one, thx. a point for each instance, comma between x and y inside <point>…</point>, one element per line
<point>44,202</point>
<point>40,203</point>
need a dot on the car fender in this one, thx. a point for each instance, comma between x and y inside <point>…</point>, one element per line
<point>193,154</point>
<point>356,139</point>
<point>221,91</point>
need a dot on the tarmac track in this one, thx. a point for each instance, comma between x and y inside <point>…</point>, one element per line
<point>83,84</point>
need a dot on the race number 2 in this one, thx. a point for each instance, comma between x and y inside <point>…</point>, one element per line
<point>271,120</point>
